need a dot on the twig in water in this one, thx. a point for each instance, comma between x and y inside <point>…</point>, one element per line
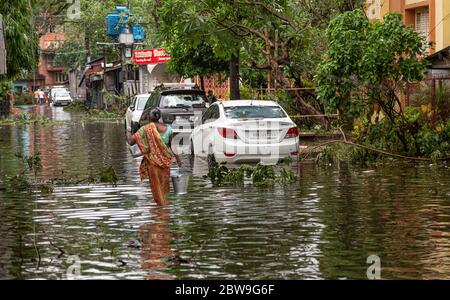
<point>62,252</point>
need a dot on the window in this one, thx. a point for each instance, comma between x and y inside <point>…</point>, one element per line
<point>152,101</point>
<point>254,112</point>
<point>60,77</point>
<point>182,101</point>
<point>215,113</point>
<point>423,24</point>
<point>140,103</point>
<point>207,114</point>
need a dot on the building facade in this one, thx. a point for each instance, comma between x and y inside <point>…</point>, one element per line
<point>430,18</point>
<point>49,43</point>
<point>48,74</point>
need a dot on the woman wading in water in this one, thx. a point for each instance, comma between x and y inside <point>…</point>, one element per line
<point>155,142</point>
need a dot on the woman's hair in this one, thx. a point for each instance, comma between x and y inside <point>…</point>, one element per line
<point>155,115</point>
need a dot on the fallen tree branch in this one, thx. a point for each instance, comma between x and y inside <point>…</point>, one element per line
<point>372,150</point>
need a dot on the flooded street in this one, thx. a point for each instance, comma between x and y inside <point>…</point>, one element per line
<point>324,226</point>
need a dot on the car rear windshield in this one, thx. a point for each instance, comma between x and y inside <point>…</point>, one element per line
<point>62,94</point>
<point>254,112</point>
<point>182,100</point>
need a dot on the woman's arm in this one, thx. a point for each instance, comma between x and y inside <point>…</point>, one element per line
<point>130,139</point>
<point>174,151</point>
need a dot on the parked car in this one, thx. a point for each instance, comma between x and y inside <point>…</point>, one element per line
<point>134,112</point>
<point>245,131</point>
<point>57,89</point>
<point>179,107</point>
<point>62,98</point>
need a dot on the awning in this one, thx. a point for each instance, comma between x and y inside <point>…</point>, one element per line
<point>440,59</point>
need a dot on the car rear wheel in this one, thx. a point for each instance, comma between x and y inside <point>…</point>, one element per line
<point>192,153</point>
<point>211,159</point>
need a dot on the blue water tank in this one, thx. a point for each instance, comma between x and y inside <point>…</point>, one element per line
<point>138,32</point>
<point>122,9</point>
<point>115,24</point>
<point>112,22</point>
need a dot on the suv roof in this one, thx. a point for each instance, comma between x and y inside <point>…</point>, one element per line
<point>182,91</point>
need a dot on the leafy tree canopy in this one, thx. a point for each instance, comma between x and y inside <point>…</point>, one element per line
<point>368,63</point>
<point>20,39</point>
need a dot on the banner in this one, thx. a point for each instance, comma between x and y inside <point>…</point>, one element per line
<point>142,57</point>
<point>150,57</point>
<point>160,56</point>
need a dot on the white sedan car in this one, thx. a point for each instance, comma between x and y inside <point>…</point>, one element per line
<point>134,112</point>
<point>61,97</point>
<point>245,131</point>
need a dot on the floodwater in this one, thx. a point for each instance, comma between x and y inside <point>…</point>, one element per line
<point>324,226</point>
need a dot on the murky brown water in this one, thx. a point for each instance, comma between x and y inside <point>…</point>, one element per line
<point>324,226</point>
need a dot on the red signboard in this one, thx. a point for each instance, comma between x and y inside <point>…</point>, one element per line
<point>160,56</point>
<point>150,57</point>
<point>142,57</point>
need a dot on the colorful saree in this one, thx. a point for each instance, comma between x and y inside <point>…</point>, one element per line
<point>156,162</point>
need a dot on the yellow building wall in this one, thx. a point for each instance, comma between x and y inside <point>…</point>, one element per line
<point>440,27</point>
<point>385,8</point>
<point>409,2</point>
<point>445,23</point>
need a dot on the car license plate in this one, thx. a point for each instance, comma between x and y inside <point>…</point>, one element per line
<point>263,135</point>
<point>185,119</point>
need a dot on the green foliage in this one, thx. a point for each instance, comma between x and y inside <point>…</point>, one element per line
<point>412,115</point>
<point>221,175</point>
<point>108,174</point>
<point>434,143</point>
<point>30,119</point>
<point>187,60</point>
<point>34,163</point>
<point>260,175</point>
<point>20,38</point>
<point>71,54</point>
<point>76,107</point>
<point>410,137</point>
<point>99,115</point>
<point>18,183</point>
<point>368,63</point>
<point>83,35</point>
<point>23,99</point>
<point>329,155</point>
<point>372,63</point>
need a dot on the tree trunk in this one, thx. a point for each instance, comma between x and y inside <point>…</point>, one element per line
<point>202,82</point>
<point>235,93</point>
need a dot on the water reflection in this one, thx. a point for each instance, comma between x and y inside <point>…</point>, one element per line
<point>155,240</point>
<point>324,226</point>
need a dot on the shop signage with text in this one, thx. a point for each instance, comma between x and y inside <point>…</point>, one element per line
<point>149,57</point>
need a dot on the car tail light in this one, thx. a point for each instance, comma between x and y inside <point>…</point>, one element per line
<point>295,153</point>
<point>229,154</point>
<point>292,133</point>
<point>228,133</point>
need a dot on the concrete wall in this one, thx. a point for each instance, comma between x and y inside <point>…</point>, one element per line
<point>150,76</point>
<point>77,92</point>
